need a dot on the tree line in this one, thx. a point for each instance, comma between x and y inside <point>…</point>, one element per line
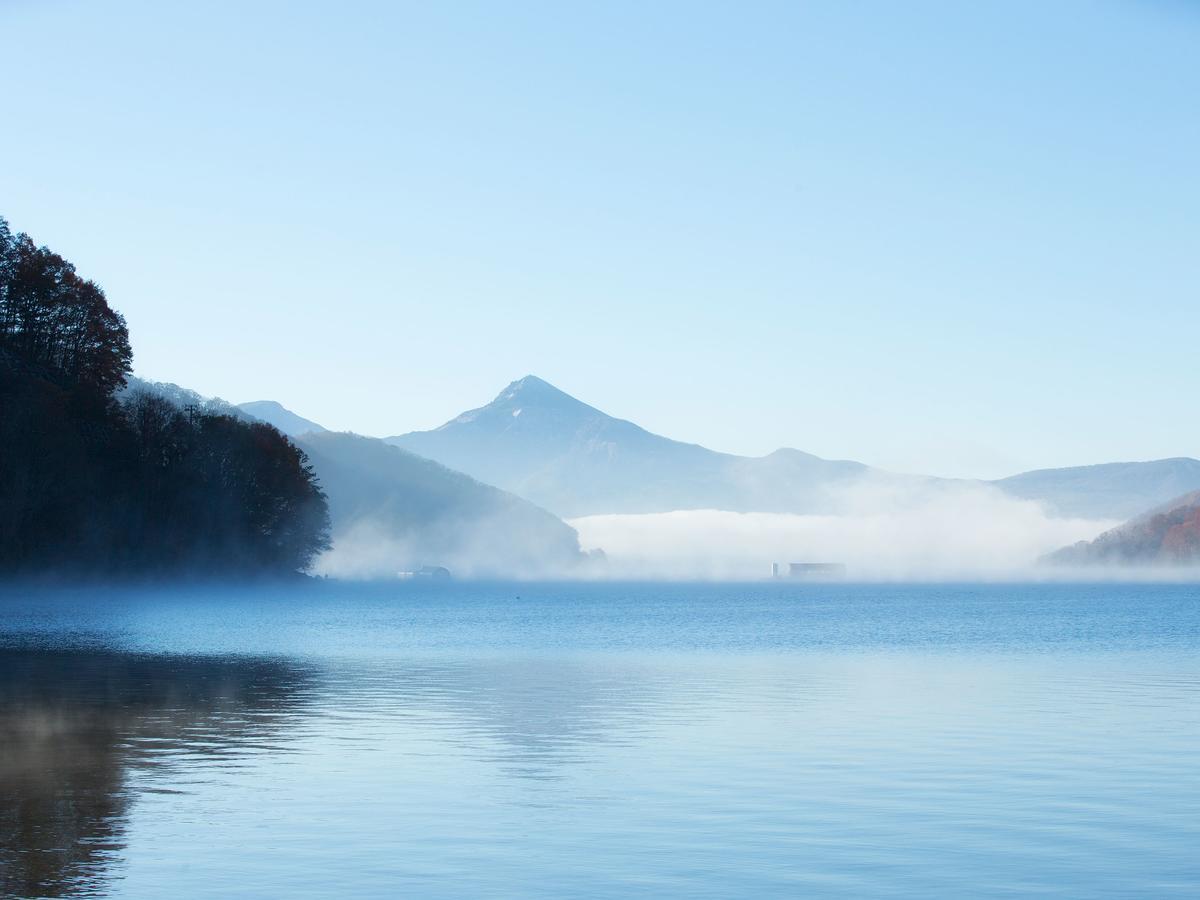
<point>92,484</point>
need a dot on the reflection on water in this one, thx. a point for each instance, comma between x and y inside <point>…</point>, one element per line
<point>452,745</point>
<point>533,715</point>
<point>75,724</point>
<point>87,732</point>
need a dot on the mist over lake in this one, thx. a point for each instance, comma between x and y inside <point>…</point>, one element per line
<point>508,739</point>
<point>599,450</point>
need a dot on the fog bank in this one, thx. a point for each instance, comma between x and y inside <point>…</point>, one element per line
<point>965,531</point>
<point>470,547</point>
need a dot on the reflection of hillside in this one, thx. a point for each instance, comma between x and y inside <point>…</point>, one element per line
<point>73,725</point>
<point>84,734</point>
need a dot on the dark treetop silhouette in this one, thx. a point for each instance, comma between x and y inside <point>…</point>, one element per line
<point>90,485</point>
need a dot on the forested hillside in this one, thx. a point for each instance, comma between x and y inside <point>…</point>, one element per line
<point>1167,535</point>
<point>90,485</point>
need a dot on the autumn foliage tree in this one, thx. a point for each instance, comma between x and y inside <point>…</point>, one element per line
<point>56,322</point>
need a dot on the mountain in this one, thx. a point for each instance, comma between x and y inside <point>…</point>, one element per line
<point>575,460</point>
<point>1111,490</point>
<point>1169,534</point>
<point>393,510</point>
<point>280,416</point>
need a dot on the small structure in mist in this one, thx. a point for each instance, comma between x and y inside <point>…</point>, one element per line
<point>431,573</point>
<point>810,571</point>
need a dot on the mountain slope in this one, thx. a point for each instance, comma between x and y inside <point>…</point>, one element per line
<point>532,429</point>
<point>280,416</point>
<point>1112,490</point>
<point>393,510</point>
<point>575,460</point>
<point>1169,534</point>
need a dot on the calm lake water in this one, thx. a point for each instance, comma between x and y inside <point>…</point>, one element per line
<point>329,740</point>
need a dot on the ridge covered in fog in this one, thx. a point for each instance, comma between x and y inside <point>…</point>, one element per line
<point>392,510</point>
<point>663,508</point>
<point>571,458</point>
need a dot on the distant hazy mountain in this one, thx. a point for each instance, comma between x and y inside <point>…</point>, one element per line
<point>394,511</point>
<point>575,460</point>
<point>281,417</point>
<point>1112,490</point>
<point>571,458</point>
<point>1169,534</point>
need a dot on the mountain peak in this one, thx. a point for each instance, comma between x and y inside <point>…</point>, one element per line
<point>532,394</point>
<point>532,387</point>
<point>532,381</point>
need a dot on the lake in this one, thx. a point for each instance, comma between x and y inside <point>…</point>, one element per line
<point>476,740</point>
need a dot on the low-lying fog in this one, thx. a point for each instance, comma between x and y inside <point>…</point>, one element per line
<point>963,531</point>
<point>960,532</point>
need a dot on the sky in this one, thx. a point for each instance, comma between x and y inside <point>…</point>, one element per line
<point>942,237</point>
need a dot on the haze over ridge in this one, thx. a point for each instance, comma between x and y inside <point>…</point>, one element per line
<point>884,525</point>
<point>575,460</point>
<point>394,511</point>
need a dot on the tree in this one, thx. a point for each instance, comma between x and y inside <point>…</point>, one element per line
<point>58,322</point>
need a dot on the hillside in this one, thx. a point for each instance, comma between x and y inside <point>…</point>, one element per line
<point>280,416</point>
<point>575,460</point>
<point>1167,535</point>
<point>181,397</point>
<point>1111,490</point>
<point>393,510</point>
<point>98,478</point>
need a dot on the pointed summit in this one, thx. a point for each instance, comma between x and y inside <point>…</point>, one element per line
<point>539,441</point>
<point>532,389</point>
<point>527,404</point>
<point>544,445</point>
<point>530,383</point>
<point>571,458</point>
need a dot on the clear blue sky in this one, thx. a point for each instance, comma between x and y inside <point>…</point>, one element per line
<point>961,238</point>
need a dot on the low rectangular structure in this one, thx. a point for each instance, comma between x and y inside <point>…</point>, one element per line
<point>816,571</point>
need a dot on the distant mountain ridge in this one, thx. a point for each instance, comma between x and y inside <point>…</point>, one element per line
<point>1110,490</point>
<point>575,460</point>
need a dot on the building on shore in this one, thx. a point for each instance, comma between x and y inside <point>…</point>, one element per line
<point>811,571</point>
<point>434,573</point>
